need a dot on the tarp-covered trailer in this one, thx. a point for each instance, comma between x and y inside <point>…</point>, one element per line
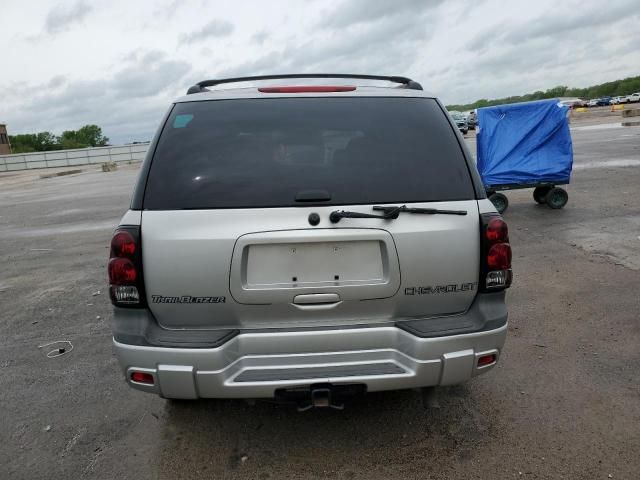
<point>525,145</point>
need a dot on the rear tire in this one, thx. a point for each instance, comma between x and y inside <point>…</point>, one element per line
<point>500,201</point>
<point>556,198</point>
<point>539,194</point>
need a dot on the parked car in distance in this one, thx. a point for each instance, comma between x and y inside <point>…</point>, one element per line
<point>603,101</point>
<point>592,103</point>
<point>461,122</point>
<point>472,119</point>
<point>307,243</point>
<point>615,100</point>
<point>634,97</point>
<point>624,99</point>
<point>574,102</point>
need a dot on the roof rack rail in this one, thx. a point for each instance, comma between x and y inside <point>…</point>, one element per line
<point>201,86</point>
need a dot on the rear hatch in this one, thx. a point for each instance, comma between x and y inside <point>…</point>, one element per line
<point>236,226</point>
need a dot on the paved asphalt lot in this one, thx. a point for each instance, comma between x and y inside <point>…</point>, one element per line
<point>563,403</point>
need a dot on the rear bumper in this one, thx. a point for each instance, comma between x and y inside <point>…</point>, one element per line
<point>255,364</point>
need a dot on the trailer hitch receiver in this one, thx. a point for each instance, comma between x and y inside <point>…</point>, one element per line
<point>320,395</point>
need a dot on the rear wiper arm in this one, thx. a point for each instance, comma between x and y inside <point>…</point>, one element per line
<point>391,213</point>
<point>427,211</point>
<point>336,215</point>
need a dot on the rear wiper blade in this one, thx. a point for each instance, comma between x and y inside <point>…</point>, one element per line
<point>427,211</point>
<point>391,213</point>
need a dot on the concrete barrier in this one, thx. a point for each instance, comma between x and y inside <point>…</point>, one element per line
<point>631,117</point>
<point>68,158</point>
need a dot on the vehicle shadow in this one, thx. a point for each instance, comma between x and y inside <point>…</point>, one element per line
<point>379,435</point>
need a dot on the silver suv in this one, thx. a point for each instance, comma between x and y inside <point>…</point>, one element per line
<point>307,243</point>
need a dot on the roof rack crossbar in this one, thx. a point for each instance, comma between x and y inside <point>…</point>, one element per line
<point>201,86</point>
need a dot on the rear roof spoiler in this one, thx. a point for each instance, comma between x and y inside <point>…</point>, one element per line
<point>201,86</point>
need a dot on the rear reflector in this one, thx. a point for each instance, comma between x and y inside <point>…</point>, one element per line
<point>142,377</point>
<point>486,360</point>
<point>308,89</point>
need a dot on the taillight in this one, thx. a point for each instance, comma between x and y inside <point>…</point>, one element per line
<point>123,244</point>
<point>499,257</point>
<point>122,271</point>
<point>496,254</point>
<point>126,284</point>
<point>497,230</point>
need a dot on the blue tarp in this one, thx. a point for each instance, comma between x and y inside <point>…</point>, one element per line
<point>524,143</point>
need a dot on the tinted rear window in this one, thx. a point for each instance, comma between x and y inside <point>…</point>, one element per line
<point>266,152</point>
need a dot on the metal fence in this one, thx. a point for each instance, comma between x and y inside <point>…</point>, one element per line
<point>68,158</point>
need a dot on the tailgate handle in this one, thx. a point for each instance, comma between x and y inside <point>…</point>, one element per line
<point>316,298</point>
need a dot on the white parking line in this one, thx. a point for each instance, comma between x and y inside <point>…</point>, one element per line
<point>602,126</point>
<point>622,162</point>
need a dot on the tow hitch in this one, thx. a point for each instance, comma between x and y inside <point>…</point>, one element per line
<point>320,395</point>
<point>321,398</point>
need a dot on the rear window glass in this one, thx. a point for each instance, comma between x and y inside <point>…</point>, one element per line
<point>268,152</point>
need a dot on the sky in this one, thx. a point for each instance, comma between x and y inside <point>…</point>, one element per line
<point>120,63</point>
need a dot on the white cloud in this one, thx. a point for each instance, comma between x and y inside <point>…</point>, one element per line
<point>62,17</point>
<point>120,63</point>
<point>215,28</point>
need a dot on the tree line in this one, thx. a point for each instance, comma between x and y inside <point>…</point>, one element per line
<point>625,86</point>
<point>87,136</point>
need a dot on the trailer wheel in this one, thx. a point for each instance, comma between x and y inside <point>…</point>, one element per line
<point>500,201</point>
<point>539,194</point>
<point>556,198</point>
